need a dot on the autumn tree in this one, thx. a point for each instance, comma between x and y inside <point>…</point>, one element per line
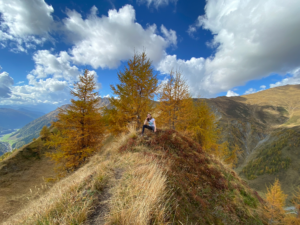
<point>204,129</point>
<point>175,103</point>
<point>231,157</point>
<point>134,95</point>
<point>275,201</point>
<point>292,219</point>
<point>79,126</point>
<point>45,133</point>
<point>177,110</point>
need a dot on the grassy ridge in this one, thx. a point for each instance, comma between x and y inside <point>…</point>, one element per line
<point>205,191</point>
<point>160,179</point>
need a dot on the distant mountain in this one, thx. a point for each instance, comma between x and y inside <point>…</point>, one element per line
<point>266,127</point>
<point>3,148</point>
<point>13,119</point>
<point>32,129</point>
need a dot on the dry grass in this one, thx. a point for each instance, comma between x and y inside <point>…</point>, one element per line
<point>160,179</point>
<point>70,200</point>
<point>139,198</point>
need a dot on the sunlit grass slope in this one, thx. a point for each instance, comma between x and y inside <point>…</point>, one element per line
<point>23,173</point>
<point>161,178</point>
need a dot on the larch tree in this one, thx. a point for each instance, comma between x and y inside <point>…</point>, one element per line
<point>175,103</point>
<point>275,201</point>
<point>45,133</point>
<point>291,219</point>
<point>204,129</point>
<point>80,128</point>
<point>177,110</point>
<point>134,95</point>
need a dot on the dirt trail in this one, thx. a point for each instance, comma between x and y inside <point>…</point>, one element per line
<point>102,207</point>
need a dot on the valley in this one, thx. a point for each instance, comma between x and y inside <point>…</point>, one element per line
<point>5,143</point>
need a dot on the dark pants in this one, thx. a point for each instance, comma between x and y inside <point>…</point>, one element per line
<point>148,127</point>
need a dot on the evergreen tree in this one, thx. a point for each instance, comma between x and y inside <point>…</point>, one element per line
<point>80,126</point>
<point>135,94</point>
<point>275,201</point>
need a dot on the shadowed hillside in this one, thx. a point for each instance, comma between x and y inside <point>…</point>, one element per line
<point>161,178</point>
<point>263,124</point>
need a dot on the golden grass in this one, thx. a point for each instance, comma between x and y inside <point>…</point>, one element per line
<point>140,195</point>
<point>70,200</point>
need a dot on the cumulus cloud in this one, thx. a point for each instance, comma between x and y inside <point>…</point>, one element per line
<point>294,78</point>
<point>193,70</point>
<point>107,40</point>
<point>49,83</point>
<point>26,23</point>
<point>6,83</point>
<point>59,65</point>
<point>250,91</point>
<point>231,94</point>
<point>169,35</point>
<point>157,3</point>
<point>263,87</point>
<point>265,40</point>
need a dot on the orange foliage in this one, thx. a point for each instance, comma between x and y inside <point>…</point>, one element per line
<point>175,103</point>
<point>135,95</point>
<point>275,201</point>
<point>80,126</point>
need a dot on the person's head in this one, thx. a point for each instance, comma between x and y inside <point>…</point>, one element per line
<point>149,117</point>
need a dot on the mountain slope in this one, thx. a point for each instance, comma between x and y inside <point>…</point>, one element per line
<point>159,179</point>
<point>22,177</point>
<point>32,129</point>
<point>263,124</point>
<point>13,119</point>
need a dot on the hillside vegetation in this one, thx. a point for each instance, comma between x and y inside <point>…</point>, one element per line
<point>22,177</point>
<point>159,179</point>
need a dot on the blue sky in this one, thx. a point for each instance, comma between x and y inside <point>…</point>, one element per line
<point>222,47</point>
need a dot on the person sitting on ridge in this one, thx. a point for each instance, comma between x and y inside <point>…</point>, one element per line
<point>151,122</point>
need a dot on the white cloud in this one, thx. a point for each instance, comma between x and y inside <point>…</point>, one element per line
<point>253,39</point>
<point>26,23</point>
<point>263,87</point>
<point>157,3</point>
<point>6,83</point>
<point>49,83</point>
<point>107,40</point>
<point>58,65</point>
<point>231,94</point>
<point>293,79</point>
<point>193,70</point>
<point>250,91</point>
<point>169,35</point>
